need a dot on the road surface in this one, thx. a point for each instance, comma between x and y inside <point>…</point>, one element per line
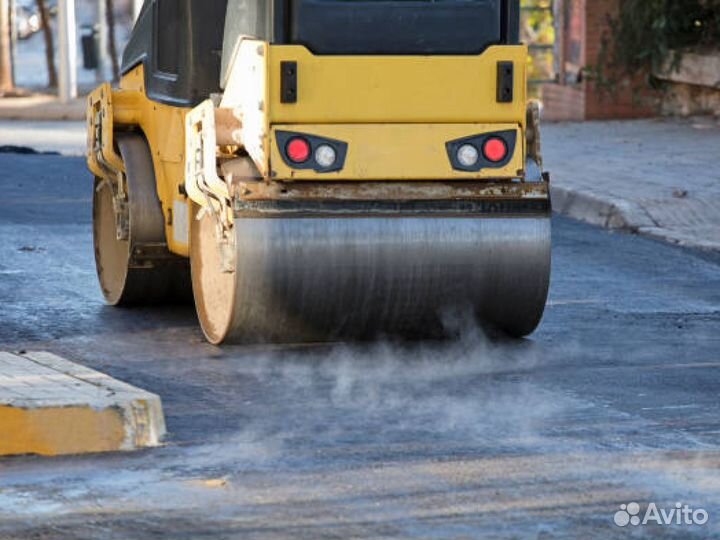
<point>614,400</point>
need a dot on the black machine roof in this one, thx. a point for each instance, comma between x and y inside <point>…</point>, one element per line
<point>181,41</point>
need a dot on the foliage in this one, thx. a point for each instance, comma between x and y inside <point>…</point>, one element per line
<point>646,35</point>
<point>538,31</point>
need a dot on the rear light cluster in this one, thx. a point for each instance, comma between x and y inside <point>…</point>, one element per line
<point>299,150</point>
<point>302,151</point>
<point>470,154</point>
<point>494,150</point>
<point>490,150</point>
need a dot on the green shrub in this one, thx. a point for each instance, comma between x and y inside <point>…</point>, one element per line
<point>646,33</point>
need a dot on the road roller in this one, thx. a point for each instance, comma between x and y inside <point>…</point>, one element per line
<point>321,170</point>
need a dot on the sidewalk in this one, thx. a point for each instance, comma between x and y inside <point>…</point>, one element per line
<point>41,107</point>
<point>658,178</point>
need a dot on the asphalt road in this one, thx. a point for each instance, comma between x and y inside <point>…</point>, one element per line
<point>614,400</point>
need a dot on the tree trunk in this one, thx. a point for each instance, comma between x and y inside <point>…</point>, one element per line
<point>7,84</point>
<point>112,43</point>
<point>49,43</point>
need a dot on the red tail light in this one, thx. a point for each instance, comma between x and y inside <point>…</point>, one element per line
<point>495,149</point>
<point>298,150</point>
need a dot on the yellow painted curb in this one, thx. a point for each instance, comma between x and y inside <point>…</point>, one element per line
<point>51,406</point>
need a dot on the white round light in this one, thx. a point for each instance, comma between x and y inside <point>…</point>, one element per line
<point>468,155</point>
<point>325,156</point>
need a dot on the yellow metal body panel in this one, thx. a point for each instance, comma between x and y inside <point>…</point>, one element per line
<point>397,89</point>
<point>397,112</point>
<point>164,129</point>
<point>396,152</point>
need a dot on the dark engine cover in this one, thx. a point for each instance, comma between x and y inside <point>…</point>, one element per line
<point>180,42</point>
<point>399,27</point>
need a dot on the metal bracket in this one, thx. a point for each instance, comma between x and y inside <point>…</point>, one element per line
<point>202,183</point>
<point>102,158</point>
<point>505,82</point>
<point>288,82</point>
<point>532,132</point>
<point>533,161</point>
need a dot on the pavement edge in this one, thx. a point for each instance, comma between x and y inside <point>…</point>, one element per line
<point>50,406</point>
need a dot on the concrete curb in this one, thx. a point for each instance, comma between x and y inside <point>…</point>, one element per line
<point>624,215</point>
<point>655,178</point>
<point>50,406</point>
<point>596,209</point>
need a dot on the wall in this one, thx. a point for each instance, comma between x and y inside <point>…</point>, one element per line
<point>582,26</point>
<point>694,86</point>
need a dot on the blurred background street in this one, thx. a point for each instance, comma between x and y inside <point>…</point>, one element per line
<point>30,61</point>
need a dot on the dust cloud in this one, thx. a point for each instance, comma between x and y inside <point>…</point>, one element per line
<point>314,411</point>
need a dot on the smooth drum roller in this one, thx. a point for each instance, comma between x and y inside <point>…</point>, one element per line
<point>319,278</point>
<point>135,268</point>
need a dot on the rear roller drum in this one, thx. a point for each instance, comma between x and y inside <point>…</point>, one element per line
<point>138,270</point>
<point>300,279</point>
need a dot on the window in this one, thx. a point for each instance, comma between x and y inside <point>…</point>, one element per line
<point>167,30</point>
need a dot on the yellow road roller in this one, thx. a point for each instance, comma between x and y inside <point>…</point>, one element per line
<point>316,170</point>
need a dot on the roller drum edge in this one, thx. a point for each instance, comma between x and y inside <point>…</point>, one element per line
<point>302,279</point>
<point>123,280</point>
